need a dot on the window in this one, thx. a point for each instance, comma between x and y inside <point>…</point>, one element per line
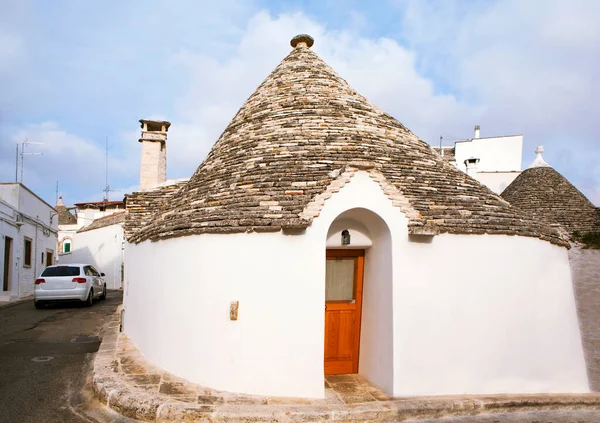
<point>27,253</point>
<point>67,246</point>
<point>90,271</point>
<point>61,271</point>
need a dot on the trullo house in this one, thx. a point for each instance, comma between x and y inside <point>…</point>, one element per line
<point>321,236</point>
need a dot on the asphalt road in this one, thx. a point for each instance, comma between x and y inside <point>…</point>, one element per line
<point>46,360</point>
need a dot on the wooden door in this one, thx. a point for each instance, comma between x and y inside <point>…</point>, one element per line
<point>7,263</point>
<point>343,305</point>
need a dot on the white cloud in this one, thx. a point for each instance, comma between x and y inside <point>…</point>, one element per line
<point>78,164</point>
<point>12,50</point>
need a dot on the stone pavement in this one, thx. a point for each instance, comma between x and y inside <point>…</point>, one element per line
<point>129,384</point>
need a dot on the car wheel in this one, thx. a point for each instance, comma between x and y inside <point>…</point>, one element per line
<point>90,299</point>
<point>103,296</point>
<point>38,304</point>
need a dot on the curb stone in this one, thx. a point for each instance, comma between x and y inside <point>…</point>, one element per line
<point>137,403</point>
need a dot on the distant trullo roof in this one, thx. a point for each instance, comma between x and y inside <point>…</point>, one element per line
<point>301,130</point>
<point>546,195</point>
<point>65,217</point>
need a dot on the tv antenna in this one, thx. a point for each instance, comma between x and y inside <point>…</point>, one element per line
<point>448,138</point>
<point>23,153</point>
<point>107,187</point>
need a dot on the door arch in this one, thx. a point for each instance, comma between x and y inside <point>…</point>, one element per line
<point>369,233</point>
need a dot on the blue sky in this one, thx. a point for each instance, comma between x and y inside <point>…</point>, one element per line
<point>73,74</point>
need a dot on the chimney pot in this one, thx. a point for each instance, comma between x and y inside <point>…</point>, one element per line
<point>472,165</point>
<point>153,169</point>
<point>476,131</point>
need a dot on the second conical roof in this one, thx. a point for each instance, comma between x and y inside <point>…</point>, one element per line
<point>546,195</point>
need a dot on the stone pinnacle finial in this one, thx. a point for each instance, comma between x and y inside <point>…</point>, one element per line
<point>539,161</point>
<point>302,40</point>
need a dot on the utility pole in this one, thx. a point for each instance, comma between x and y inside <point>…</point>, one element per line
<point>23,144</point>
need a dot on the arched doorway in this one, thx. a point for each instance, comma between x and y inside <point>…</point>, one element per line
<point>358,286</point>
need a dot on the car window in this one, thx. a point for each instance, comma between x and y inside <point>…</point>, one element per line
<point>94,271</point>
<point>61,271</point>
<point>87,271</point>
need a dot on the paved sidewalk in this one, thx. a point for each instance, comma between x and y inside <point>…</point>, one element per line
<point>127,383</point>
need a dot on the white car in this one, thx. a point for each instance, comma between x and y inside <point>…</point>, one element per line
<point>68,282</point>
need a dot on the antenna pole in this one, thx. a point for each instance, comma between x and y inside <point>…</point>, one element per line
<point>17,165</point>
<point>22,148</point>
<point>106,171</point>
<point>441,149</point>
<point>56,193</point>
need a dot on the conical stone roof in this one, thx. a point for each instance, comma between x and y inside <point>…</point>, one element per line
<point>545,194</point>
<point>298,139</point>
<point>65,217</point>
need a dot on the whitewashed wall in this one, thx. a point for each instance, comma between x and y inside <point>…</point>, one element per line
<point>66,232</point>
<point>496,181</point>
<point>495,153</point>
<point>9,229</point>
<point>486,314</point>
<point>448,314</point>
<point>86,215</point>
<point>41,242</point>
<point>102,248</point>
<point>36,220</point>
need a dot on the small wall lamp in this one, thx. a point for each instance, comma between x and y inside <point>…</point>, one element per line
<point>345,237</point>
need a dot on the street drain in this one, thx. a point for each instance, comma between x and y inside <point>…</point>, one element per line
<point>85,339</point>
<point>42,359</point>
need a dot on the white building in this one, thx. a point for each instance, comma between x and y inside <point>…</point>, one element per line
<point>493,161</point>
<point>94,236</point>
<point>321,236</point>
<point>28,226</point>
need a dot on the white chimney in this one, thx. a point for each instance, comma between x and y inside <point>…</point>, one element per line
<point>476,131</point>
<point>472,166</point>
<point>153,169</point>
